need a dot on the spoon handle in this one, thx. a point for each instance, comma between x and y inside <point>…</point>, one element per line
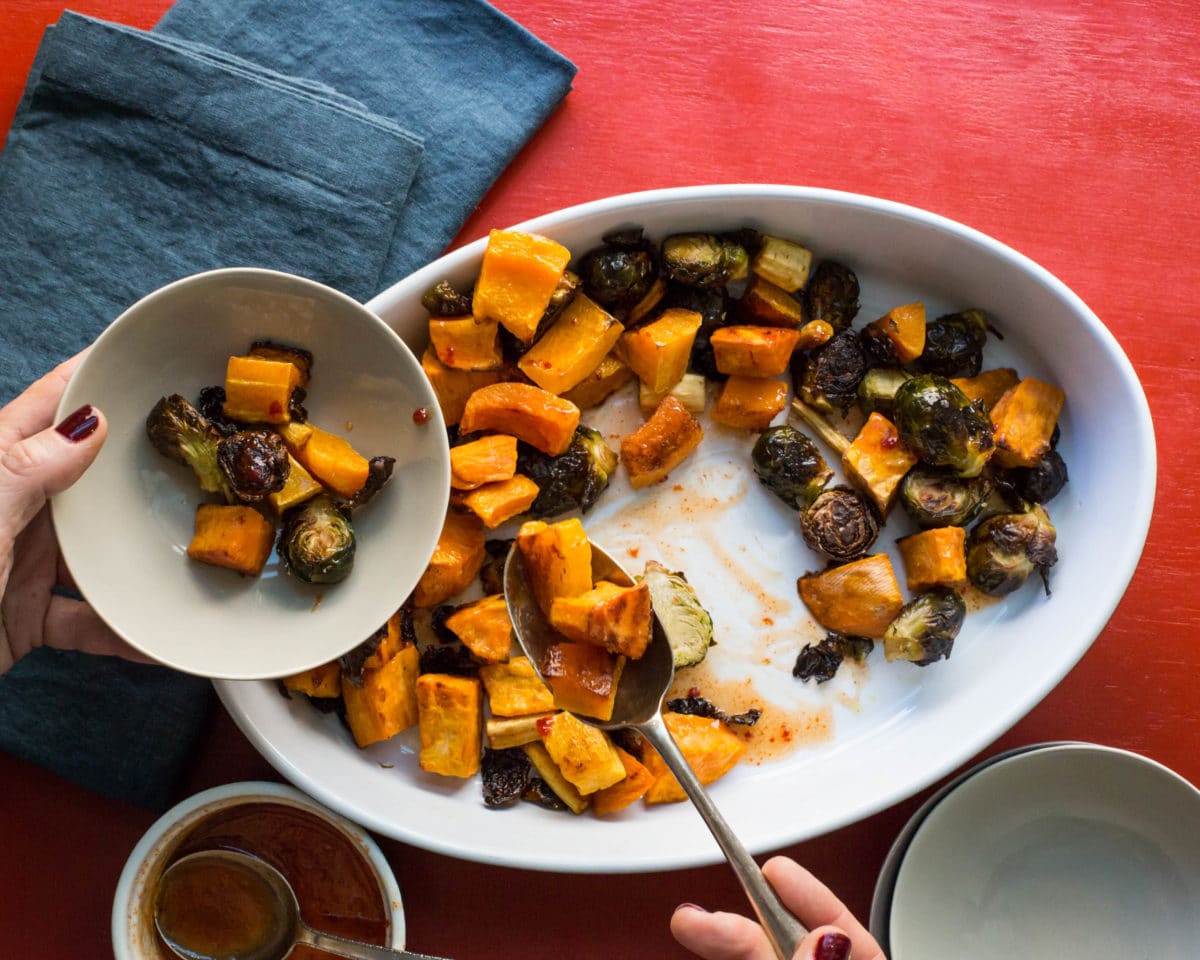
<point>783,930</point>
<point>354,949</point>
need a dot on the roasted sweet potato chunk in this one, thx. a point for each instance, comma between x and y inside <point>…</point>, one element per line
<point>660,444</point>
<point>451,719</point>
<point>859,598</point>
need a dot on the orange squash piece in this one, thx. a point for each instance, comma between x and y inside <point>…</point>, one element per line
<point>583,678</point>
<point>332,461</point>
<point>322,682</point>
<point>464,343</point>
<point>934,558</point>
<point>455,563</point>
<point>557,558</point>
<point>573,347</point>
<point>386,703</point>
<point>454,387</point>
<point>659,352</point>
<point>988,386</point>
<point>609,377</point>
<point>905,327</point>
<point>660,444</point>
<point>258,390</point>
<point>624,792</point>
<point>609,616</point>
<point>876,461</point>
<point>526,412</point>
<point>749,403</point>
<point>235,537</point>
<point>765,303</point>
<point>753,351</point>
<point>514,689</point>
<point>486,460</point>
<point>497,503</point>
<point>859,598</point>
<point>584,754</point>
<point>1023,422</point>
<point>450,720</point>
<point>709,746</point>
<point>517,277</point>
<point>484,628</point>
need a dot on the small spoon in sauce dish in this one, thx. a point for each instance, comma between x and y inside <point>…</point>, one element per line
<point>643,685</point>
<point>225,905</point>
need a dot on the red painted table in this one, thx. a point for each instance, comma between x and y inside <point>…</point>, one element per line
<point>1066,130</point>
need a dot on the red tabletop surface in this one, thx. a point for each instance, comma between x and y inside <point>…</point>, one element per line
<point>1068,131</point>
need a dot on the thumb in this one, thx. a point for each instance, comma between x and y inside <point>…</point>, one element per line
<point>36,468</point>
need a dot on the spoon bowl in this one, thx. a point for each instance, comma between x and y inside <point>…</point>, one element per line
<point>638,706</point>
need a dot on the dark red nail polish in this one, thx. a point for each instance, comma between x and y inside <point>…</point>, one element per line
<point>833,946</point>
<point>79,425</point>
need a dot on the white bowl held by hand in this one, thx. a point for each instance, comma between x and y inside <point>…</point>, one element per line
<point>125,526</point>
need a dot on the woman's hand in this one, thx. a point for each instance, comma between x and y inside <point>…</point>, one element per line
<point>836,934</point>
<point>36,462</point>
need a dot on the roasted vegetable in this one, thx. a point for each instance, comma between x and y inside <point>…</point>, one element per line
<point>691,391</point>
<point>765,304</point>
<point>633,786</point>
<point>332,460</point>
<point>832,295</point>
<point>859,598</point>
<point>877,390</point>
<point>179,431</point>
<point>610,375</point>
<point>453,387</point>
<point>988,386</point>
<point>235,537</point>
<point>934,558</point>
<point>584,754</point>
<point>379,471</point>
<point>713,304</point>
<point>789,465</point>
<point>456,560</point>
<point>687,626</point>
<point>572,347</point>
<point>298,357</point>
<point>904,329</point>
<point>557,559</point>
<point>660,444</point>
<point>620,273</point>
<point>211,404</point>
<point>1042,482</point>
<point>876,461</point>
<point>1024,421</point>
<point>1004,549</point>
<point>924,630</point>
<point>450,711</point>
<point>583,677</point>
<point>943,427</point>
<point>465,343</point>
<point>954,344</point>
<point>317,542</point>
<point>750,403</point>
<point>840,524</point>
<point>614,617</point>
<point>385,703</point>
<point>258,390</point>
<point>518,275</point>
<point>784,263</point>
<point>442,300</point>
<point>526,412</point>
<point>935,498</point>
<point>820,661</point>
<point>704,259</point>
<point>573,480</point>
<point>487,460</point>
<point>300,486</point>
<point>505,776</point>
<point>659,352</point>
<point>514,689</point>
<point>497,503</point>
<point>696,706</point>
<point>753,351</point>
<point>828,377</point>
<point>254,464</point>
<point>709,746</point>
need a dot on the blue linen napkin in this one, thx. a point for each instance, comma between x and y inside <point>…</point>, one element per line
<point>136,158</point>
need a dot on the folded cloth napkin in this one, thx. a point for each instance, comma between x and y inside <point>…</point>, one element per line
<point>136,158</point>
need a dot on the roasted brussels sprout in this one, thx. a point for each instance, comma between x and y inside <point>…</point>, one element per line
<point>379,471</point>
<point>924,629</point>
<point>877,390</point>
<point>686,624</point>
<point>938,423</point>
<point>697,706</point>
<point>828,377</point>
<point>1005,548</point>
<point>878,347</point>
<point>820,661</point>
<point>442,300</point>
<point>179,431</point>
<point>954,344</point>
<point>934,498</point>
<point>621,272</point>
<point>704,259</point>
<point>840,524</point>
<point>572,480</point>
<point>790,465</point>
<point>491,574</point>
<point>316,543</point>
<point>832,295</point>
<point>1042,482</point>
<point>211,404</point>
<point>505,775</point>
<point>254,463</point>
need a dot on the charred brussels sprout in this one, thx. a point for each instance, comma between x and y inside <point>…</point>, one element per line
<point>179,431</point>
<point>316,543</point>
<point>1042,482</point>
<point>505,775</point>
<point>211,404</point>
<point>572,480</point>
<point>878,347</point>
<point>790,465</point>
<point>254,463</point>
<point>687,626</point>
<point>1004,549</point>
<point>937,499</point>
<point>442,300</point>
<point>704,259</point>
<point>820,661</point>
<point>618,274</point>
<point>840,524</point>
<point>703,707</point>
<point>379,471</point>
<point>924,629</point>
<point>938,423</point>
<point>877,390</point>
<point>954,344</point>
<point>828,378</point>
<point>832,295</point>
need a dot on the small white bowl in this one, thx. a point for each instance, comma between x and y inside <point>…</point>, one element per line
<point>1071,850</point>
<point>133,933</point>
<point>125,526</point>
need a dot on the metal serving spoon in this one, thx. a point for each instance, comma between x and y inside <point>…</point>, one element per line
<point>245,909</point>
<point>643,685</point>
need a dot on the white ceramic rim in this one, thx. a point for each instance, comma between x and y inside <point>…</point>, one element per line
<point>249,791</point>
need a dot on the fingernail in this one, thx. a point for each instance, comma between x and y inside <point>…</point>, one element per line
<point>79,425</point>
<point>691,906</point>
<point>833,946</point>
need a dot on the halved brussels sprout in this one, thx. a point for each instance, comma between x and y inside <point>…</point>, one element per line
<point>316,543</point>
<point>939,423</point>
<point>925,628</point>
<point>789,465</point>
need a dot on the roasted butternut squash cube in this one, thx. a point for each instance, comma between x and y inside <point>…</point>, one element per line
<point>753,351</point>
<point>486,460</point>
<point>386,702</point>
<point>583,677</point>
<point>298,357</point>
<point>505,732</point>
<point>557,558</point>
<point>876,461</point>
<point>859,598</point>
<point>464,343</point>
<point>517,277</point>
<point>295,435</point>
<point>988,386</point>
<point>765,303</point>
<point>454,387</point>
<point>391,642</point>
<point>615,618</point>
<point>905,327</point>
<point>484,628</point>
<point>333,461</point>
<point>934,558</point>
<point>1023,422</point>
<point>299,486</point>
<point>496,503</point>
<point>660,444</point>
<point>323,682</point>
<point>514,688</point>
<point>235,537</point>
<point>621,794</point>
<point>584,754</point>
<point>749,403</point>
<point>782,262</point>
<point>709,746</point>
<point>456,560</point>
<point>579,338</point>
<point>527,412</point>
<point>258,390</point>
<point>610,375</point>
<point>548,770</point>
<point>659,351</point>
<point>450,711</point>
